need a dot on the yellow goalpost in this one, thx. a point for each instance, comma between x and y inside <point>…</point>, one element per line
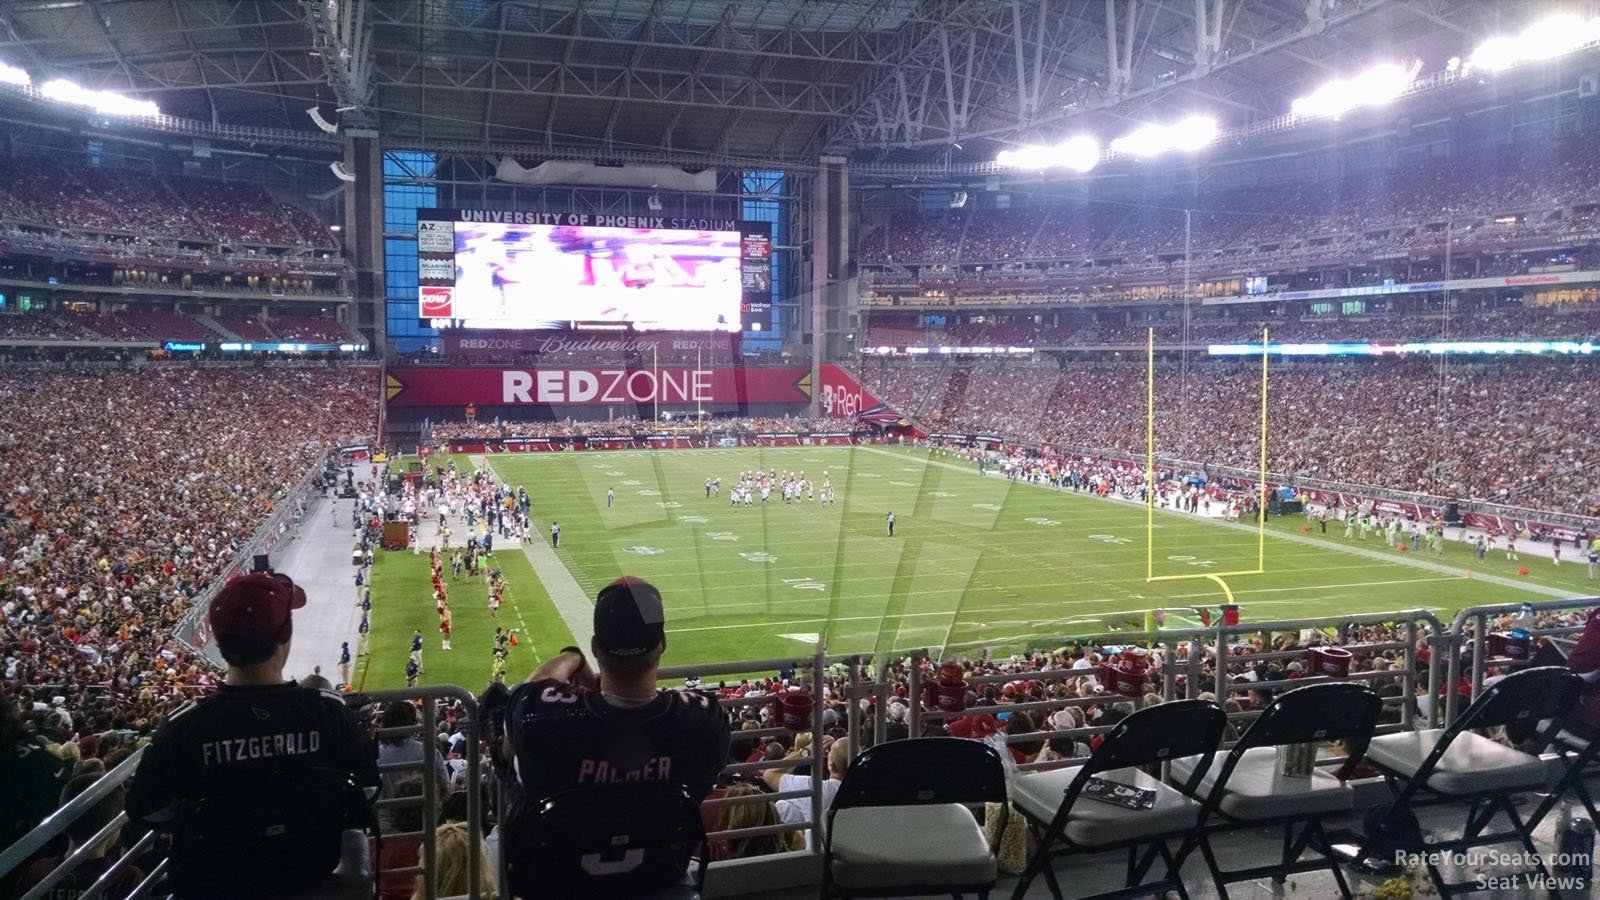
<point>1150,481</point>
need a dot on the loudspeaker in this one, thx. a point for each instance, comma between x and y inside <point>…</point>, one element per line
<point>1452,512</point>
<point>261,563</point>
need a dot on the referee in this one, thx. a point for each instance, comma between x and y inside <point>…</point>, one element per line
<point>890,522</point>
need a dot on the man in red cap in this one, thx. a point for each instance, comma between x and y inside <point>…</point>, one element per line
<point>566,727</point>
<point>258,782</point>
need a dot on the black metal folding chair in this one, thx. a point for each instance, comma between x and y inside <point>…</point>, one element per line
<point>1065,822</point>
<point>621,841</point>
<point>1461,764</point>
<point>899,824</point>
<point>1246,788</point>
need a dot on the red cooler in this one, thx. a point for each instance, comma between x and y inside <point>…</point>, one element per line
<point>1507,645</point>
<point>1329,662</point>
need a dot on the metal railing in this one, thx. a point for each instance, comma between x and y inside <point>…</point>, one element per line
<point>1468,637</point>
<point>869,685</point>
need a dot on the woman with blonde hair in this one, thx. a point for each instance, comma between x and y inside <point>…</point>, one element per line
<point>754,815</point>
<point>451,847</point>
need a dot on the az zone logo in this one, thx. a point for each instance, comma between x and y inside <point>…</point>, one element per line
<point>437,302</point>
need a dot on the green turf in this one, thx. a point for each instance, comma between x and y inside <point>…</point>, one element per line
<point>973,559</point>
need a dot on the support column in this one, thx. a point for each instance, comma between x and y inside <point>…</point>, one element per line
<point>363,232</point>
<point>830,263</point>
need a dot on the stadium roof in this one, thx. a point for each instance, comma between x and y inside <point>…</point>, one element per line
<point>722,81</point>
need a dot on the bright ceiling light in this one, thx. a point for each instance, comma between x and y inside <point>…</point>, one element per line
<point>1188,135</point>
<point>1374,87</point>
<point>1151,140</point>
<point>1028,156</point>
<point>1080,154</point>
<point>1545,39</point>
<point>1193,133</point>
<point>106,102</point>
<point>14,75</point>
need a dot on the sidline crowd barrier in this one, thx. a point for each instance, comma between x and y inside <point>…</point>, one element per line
<point>1457,651</point>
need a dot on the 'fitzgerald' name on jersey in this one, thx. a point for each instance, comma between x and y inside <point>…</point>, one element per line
<point>293,743</point>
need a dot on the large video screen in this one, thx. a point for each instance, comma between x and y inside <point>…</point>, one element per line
<point>552,275</point>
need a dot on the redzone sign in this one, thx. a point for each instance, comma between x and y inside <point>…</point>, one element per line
<point>490,386</point>
<point>606,386</point>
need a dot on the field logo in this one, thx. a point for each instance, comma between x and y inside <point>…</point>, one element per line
<point>643,551</point>
<point>722,536</point>
<point>759,556</point>
<point>437,302</point>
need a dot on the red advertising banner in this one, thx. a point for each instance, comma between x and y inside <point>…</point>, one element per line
<point>424,386</point>
<point>842,395</point>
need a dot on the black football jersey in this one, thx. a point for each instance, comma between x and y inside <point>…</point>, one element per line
<point>567,737</point>
<point>256,784</point>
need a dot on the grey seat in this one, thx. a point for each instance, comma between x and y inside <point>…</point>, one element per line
<point>1257,790</point>
<point>1470,763</point>
<point>900,824</point>
<point>1459,763</point>
<point>1092,823</point>
<point>1064,821</point>
<point>1246,788</point>
<point>873,847</point>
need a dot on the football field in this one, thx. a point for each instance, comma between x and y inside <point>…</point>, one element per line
<point>974,559</point>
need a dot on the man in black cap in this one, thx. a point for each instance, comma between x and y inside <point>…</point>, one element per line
<point>258,782</point>
<point>566,727</point>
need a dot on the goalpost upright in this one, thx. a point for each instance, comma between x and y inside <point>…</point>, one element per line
<point>1150,480</point>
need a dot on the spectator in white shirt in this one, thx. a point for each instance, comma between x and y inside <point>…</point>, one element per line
<point>795,812</point>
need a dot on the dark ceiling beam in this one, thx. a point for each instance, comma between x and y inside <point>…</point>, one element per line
<point>646,28</point>
<point>853,47</point>
<point>194,52</point>
<point>566,60</point>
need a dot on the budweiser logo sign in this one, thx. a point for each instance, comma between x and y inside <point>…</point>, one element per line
<point>591,345</point>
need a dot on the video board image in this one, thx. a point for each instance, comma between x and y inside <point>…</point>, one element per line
<point>543,276</point>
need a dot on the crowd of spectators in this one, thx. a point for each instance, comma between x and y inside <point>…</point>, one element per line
<point>1574,322</point>
<point>1522,432</point>
<point>45,193</point>
<point>157,326</point>
<point>127,493</point>
<point>1328,212</point>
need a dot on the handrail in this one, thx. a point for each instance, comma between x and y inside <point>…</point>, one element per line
<point>1479,616</point>
<point>57,822</point>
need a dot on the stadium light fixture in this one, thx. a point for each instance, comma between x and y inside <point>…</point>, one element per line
<point>105,102</point>
<point>1374,87</point>
<point>1189,135</point>
<point>1080,154</point>
<point>13,75</point>
<point>1545,39</point>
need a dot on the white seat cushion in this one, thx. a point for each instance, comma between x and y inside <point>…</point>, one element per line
<point>1472,765</point>
<point>896,846</point>
<point>1092,823</point>
<point>1255,790</point>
